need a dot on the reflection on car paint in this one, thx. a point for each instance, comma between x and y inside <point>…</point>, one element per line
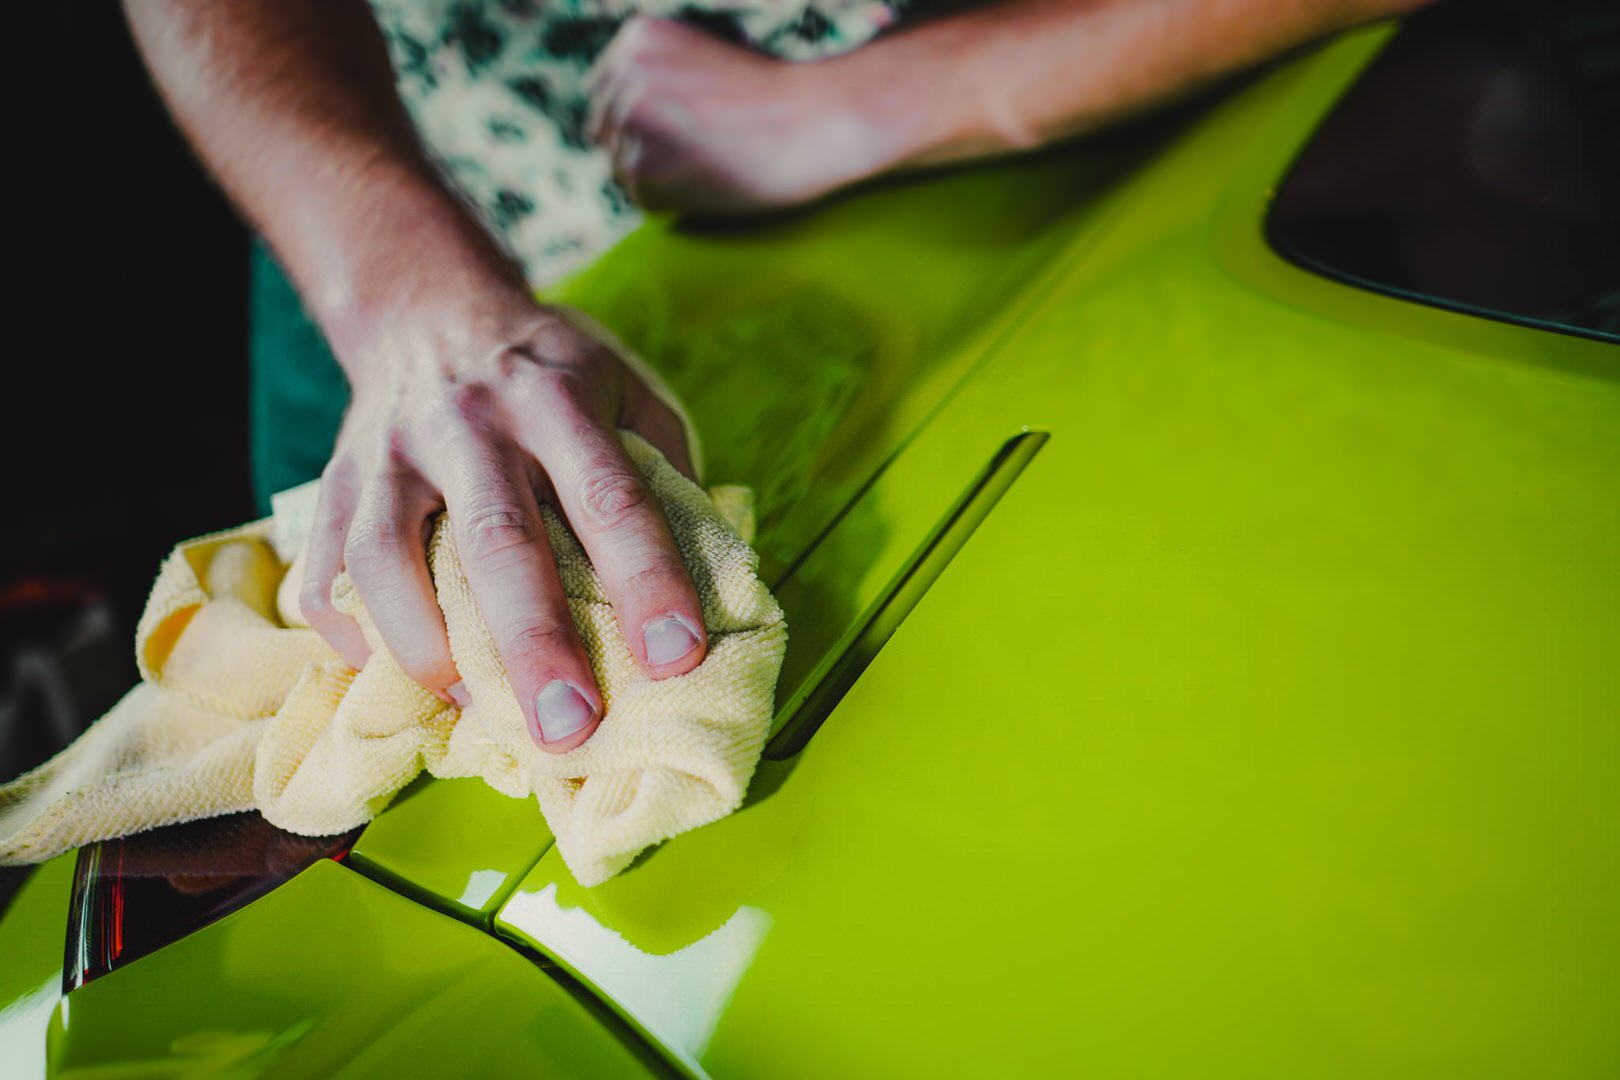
<point>137,894</point>
<point>678,998</point>
<point>21,1024</point>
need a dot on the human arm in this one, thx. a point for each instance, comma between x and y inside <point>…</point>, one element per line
<point>468,394</point>
<point>696,123</point>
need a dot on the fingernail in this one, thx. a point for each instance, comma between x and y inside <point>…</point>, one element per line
<point>668,638</point>
<point>562,710</point>
<point>457,692</point>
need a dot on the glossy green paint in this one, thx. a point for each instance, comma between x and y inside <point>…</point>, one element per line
<point>1265,727</point>
<point>332,975</point>
<point>457,845</point>
<point>808,347</point>
<point>31,953</point>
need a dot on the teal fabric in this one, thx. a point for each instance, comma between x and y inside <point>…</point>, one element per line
<point>297,392</point>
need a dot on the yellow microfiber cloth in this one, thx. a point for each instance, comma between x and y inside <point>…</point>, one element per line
<point>243,707</point>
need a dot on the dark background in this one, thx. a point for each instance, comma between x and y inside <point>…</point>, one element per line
<point>125,417</point>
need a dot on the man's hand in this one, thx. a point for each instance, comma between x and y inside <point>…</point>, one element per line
<point>696,123</point>
<point>467,394</point>
<point>491,422</point>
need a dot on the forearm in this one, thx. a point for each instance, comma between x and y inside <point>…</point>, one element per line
<point>1025,73</point>
<point>291,104</point>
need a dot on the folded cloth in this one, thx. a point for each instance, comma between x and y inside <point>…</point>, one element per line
<point>242,706</point>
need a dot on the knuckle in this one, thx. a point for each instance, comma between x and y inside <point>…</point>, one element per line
<point>471,402</point>
<point>539,640</point>
<point>556,383</point>
<point>612,496</point>
<point>396,454</point>
<point>653,581</point>
<point>512,362</point>
<point>498,528</point>
<point>440,426</point>
<point>573,399</point>
<point>565,382</point>
<point>315,600</point>
<point>385,460</point>
<point>372,545</point>
<point>660,584</point>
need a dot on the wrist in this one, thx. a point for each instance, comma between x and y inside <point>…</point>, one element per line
<point>451,331</point>
<point>915,122</point>
<point>878,119</point>
<point>406,265</point>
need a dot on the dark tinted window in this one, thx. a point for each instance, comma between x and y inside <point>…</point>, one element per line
<point>1475,165</point>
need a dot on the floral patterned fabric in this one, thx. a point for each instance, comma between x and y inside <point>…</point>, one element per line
<point>496,89</point>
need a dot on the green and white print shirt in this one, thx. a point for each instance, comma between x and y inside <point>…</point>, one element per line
<point>496,90</point>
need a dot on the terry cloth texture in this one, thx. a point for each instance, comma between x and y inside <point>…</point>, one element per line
<point>243,707</point>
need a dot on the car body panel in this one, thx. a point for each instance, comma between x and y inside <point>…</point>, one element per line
<point>31,936</point>
<point>1265,727</point>
<point>457,845</point>
<point>333,975</point>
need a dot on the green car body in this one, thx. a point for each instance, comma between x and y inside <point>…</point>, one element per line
<point>1199,668</point>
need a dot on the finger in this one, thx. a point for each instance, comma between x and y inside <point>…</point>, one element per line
<point>602,104</point>
<point>621,109</point>
<point>642,409</point>
<point>611,59</point>
<point>513,576</point>
<point>624,56</point>
<point>322,562</point>
<point>623,531</point>
<point>647,415</point>
<point>626,159</point>
<point>387,558</point>
<point>622,52</point>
